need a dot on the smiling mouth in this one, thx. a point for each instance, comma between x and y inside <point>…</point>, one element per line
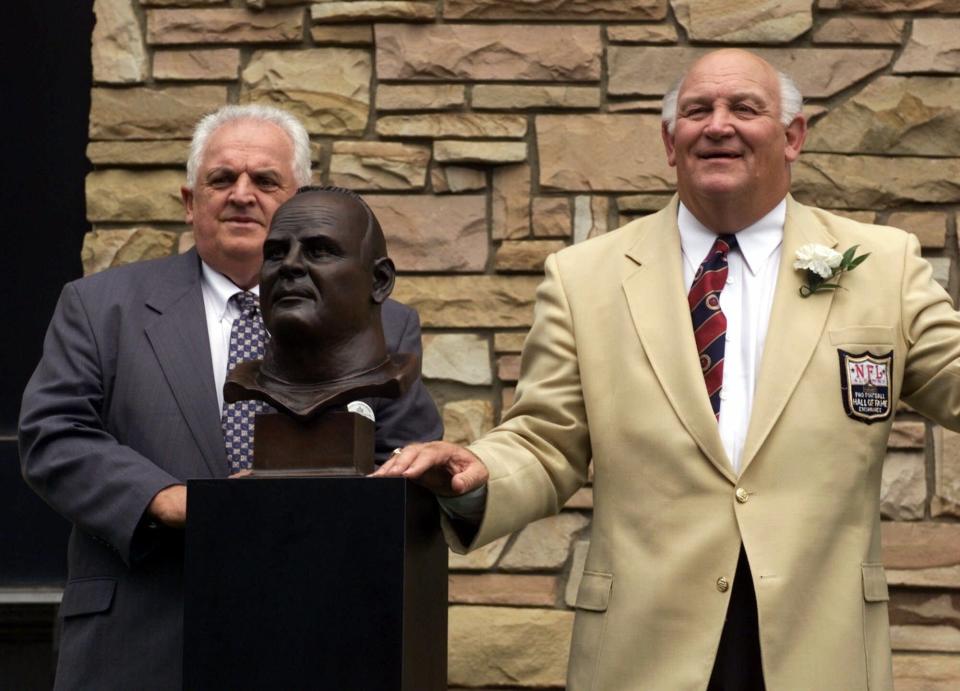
<point>718,155</point>
<point>247,220</point>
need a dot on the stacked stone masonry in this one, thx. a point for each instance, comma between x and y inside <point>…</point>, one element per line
<point>488,134</point>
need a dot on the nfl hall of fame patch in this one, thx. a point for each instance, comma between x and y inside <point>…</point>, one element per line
<point>865,385</point>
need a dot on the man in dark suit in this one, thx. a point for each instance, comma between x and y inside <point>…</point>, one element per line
<point>126,403</point>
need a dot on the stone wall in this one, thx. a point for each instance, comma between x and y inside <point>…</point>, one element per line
<point>489,133</point>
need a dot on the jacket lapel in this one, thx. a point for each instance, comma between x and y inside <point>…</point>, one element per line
<point>180,342</point>
<point>661,316</point>
<point>796,326</point>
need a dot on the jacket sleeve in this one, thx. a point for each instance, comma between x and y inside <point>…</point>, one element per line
<point>68,455</point>
<point>931,330</point>
<point>413,417</point>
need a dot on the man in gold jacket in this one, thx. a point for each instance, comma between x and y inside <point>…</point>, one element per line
<point>735,541</point>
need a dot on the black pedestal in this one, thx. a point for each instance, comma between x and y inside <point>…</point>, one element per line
<point>335,584</point>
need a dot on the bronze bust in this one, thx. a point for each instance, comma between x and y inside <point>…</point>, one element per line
<point>325,275</point>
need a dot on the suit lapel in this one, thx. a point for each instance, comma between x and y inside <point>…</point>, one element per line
<point>796,326</point>
<point>179,340</point>
<point>661,316</point>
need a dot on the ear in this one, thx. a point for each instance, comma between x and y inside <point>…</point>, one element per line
<point>795,134</point>
<point>668,144</point>
<point>187,195</point>
<point>384,276</point>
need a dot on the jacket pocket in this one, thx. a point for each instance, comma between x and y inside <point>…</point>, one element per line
<point>589,626</point>
<point>87,596</point>
<point>876,627</point>
<point>876,335</point>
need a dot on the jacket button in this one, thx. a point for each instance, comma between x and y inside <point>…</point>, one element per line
<point>723,584</point>
<point>742,495</point>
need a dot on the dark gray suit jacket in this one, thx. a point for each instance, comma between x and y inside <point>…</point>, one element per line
<point>123,404</point>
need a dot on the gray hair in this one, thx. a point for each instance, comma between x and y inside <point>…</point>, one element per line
<point>791,101</point>
<point>288,123</point>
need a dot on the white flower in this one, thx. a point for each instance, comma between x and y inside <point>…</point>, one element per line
<point>819,259</point>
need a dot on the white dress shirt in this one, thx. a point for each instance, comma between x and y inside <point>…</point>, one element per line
<point>217,290</point>
<point>746,300</point>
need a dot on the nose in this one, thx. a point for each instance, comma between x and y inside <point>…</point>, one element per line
<point>292,264</point>
<point>719,124</point>
<point>242,190</point>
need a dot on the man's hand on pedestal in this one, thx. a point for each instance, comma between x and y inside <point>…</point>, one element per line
<point>169,506</point>
<point>445,469</point>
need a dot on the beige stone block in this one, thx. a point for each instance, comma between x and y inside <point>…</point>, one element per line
<point>943,639</point>
<point>590,216</point>
<point>875,182</point>
<point>642,33</point>
<point>434,233</point>
<point>488,153</point>
<point>918,607</point>
<point>883,6</point>
<point>333,12</point>
<point>930,227</point>
<point>342,34</point>
<point>143,113</point>
<point>224,25</point>
<point>551,217</point>
<point>185,242</point>
<point>457,179</point>
<point>379,165</point>
<point>509,96</point>
<point>856,29</point>
<point>915,672</point>
<point>895,115</point>
<point>503,589</point>
<point>137,196</point>
<point>466,421</point>
<point>643,202</point>
<point>117,50</point>
<point>599,152</point>
<point>505,52</point>
<point>479,559</point>
<point>525,256</point>
<point>470,301</point>
<point>105,248</point>
<point>510,207</point>
<point>581,499</point>
<point>507,396</point>
<point>139,153</point>
<point>934,46</point>
<point>819,72</point>
<point>500,646</point>
<point>594,10</point>
<point>466,125</point>
<point>509,341</point>
<point>903,491</point>
<point>508,368</point>
<point>459,357</point>
<point>907,434</point>
<point>544,544</point>
<point>734,21</point>
<point>337,104</point>
<point>946,493</point>
<point>636,105</point>
<point>179,3</point>
<point>580,549</point>
<point>420,96</point>
<point>216,64</point>
<point>262,4</point>
<point>922,553</point>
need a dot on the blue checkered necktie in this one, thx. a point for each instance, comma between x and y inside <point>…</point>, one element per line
<point>247,341</point>
<point>709,322</point>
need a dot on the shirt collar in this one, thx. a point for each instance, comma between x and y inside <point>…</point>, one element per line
<point>757,241</point>
<point>219,289</point>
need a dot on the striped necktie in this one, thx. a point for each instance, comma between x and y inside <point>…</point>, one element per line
<point>709,323</point>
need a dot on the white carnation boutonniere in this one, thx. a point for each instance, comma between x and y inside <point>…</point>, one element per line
<point>824,265</point>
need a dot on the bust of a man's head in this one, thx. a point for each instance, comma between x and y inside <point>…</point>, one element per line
<point>325,274</point>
